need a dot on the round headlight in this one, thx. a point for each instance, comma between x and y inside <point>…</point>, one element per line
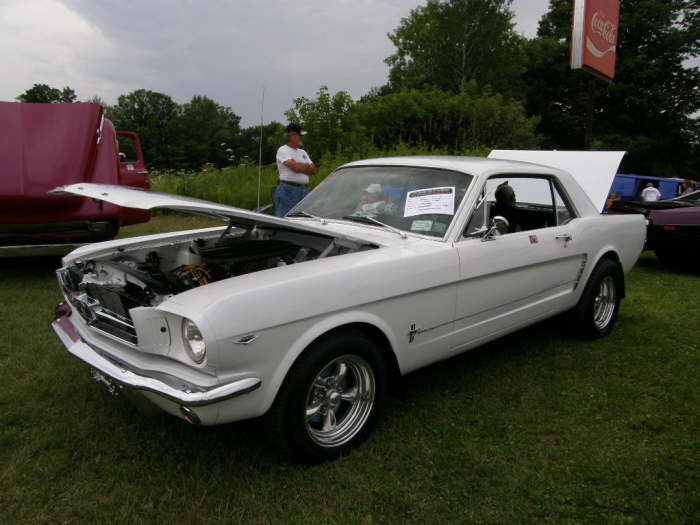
<point>194,342</point>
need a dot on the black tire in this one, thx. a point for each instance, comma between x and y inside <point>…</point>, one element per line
<point>587,319</point>
<point>286,421</point>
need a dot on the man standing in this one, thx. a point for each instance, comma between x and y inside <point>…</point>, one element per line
<point>294,167</point>
<point>650,193</point>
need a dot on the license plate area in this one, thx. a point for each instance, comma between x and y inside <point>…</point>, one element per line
<point>112,386</point>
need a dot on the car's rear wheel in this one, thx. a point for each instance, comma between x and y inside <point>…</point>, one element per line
<point>331,398</point>
<point>596,312</point>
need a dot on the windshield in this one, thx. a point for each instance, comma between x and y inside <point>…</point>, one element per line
<point>418,200</point>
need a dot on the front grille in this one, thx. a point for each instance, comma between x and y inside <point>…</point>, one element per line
<point>116,325</point>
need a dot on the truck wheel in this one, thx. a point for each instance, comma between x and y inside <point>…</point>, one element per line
<point>595,314</point>
<point>331,398</point>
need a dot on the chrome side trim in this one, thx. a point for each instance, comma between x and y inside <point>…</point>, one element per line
<point>186,394</point>
<point>246,339</point>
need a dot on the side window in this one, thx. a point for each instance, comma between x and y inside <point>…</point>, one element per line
<point>127,146</point>
<point>527,203</point>
<point>564,211</point>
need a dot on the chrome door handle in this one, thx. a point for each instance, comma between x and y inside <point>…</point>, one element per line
<point>564,237</point>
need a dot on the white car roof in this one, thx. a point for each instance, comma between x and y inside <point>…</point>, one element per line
<point>591,171</point>
<point>472,165</point>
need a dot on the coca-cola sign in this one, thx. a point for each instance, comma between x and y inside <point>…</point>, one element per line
<point>595,32</point>
<point>605,29</point>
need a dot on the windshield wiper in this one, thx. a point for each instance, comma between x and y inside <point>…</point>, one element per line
<point>306,214</point>
<point>371,220</point>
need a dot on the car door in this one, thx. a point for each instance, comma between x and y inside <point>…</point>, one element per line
<point>527,273</point>
<point>132,172</point>
<point>132,167</point>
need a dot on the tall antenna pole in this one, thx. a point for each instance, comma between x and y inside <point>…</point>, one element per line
<point>262,108</point>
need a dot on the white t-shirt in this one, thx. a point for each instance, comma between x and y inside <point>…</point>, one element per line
<point>651,194</point>
<point>286,153</point>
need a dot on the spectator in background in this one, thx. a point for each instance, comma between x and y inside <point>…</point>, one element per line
<point>650,193</point>
<point>687,187</point>
<point>294,166</point>
<point>372,203</point>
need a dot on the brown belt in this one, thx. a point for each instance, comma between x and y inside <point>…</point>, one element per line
<point>302,186</point>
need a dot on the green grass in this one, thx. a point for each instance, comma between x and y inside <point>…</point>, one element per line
<point>535,428</point>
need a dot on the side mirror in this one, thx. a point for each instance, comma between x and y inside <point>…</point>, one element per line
<point>499,226</point>
<point>122,157</point>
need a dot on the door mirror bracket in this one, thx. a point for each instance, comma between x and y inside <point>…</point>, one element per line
<point>499,226</point>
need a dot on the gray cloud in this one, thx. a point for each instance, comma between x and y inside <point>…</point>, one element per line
<point>228,50</point>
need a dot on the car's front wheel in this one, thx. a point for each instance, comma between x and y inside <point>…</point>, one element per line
<point>331,398</point>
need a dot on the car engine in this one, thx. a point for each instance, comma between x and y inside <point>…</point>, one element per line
<point>148,276</point>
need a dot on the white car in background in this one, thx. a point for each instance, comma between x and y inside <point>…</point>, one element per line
<point>387,266</point>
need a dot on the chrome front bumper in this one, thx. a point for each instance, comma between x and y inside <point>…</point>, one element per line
<point>167,386</point>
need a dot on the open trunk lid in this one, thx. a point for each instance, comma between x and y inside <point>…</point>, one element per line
<point>593,170</point>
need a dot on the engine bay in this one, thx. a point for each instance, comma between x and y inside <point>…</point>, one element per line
<point>147,275</point>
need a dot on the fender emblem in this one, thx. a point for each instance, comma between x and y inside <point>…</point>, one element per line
<point>415,331</point>
<point>412,333</point>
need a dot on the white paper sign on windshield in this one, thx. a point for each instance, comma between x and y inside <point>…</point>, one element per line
<point>430,200</point>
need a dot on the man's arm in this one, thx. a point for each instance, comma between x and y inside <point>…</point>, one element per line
<point>301,167</point>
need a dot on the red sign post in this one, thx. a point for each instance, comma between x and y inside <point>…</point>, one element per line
<point>594,47</point>
<point>594,39</point>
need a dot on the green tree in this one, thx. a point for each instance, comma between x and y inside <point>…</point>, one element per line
<point>453,122</point>
<point>154,117</point>
<point>205,130</point>
<point>245,146</point>
<point>457,123</point>
<point>43,93</point>
<point>328,120</point>
<point>648,110</point>
<point>448,43</point>
<point>96,99</point>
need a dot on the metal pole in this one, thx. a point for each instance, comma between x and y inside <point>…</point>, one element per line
<point>590,106</point>
<point>262,108</point>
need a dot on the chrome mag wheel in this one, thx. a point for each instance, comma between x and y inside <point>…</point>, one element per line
<point>340,400</point>
<point>605,303</point>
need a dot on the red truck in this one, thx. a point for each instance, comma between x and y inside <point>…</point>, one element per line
<point>43,146</point>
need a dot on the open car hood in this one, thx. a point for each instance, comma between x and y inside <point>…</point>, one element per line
<point>128,197</point>
<point>593,170</point>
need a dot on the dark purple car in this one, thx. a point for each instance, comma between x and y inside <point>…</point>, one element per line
<point>673,230</point>
<point>674,234</point>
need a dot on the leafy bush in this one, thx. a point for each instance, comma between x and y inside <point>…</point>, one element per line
<point>451,122</point>
<point>454,122</point>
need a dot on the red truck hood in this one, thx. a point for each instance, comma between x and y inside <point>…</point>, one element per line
<point>42,146</point>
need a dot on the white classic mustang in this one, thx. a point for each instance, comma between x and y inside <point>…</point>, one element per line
<point>387,266</point>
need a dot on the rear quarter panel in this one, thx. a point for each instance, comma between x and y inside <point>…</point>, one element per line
<point>623,235</point>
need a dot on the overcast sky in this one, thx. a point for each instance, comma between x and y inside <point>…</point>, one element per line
<point>226,49</point>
